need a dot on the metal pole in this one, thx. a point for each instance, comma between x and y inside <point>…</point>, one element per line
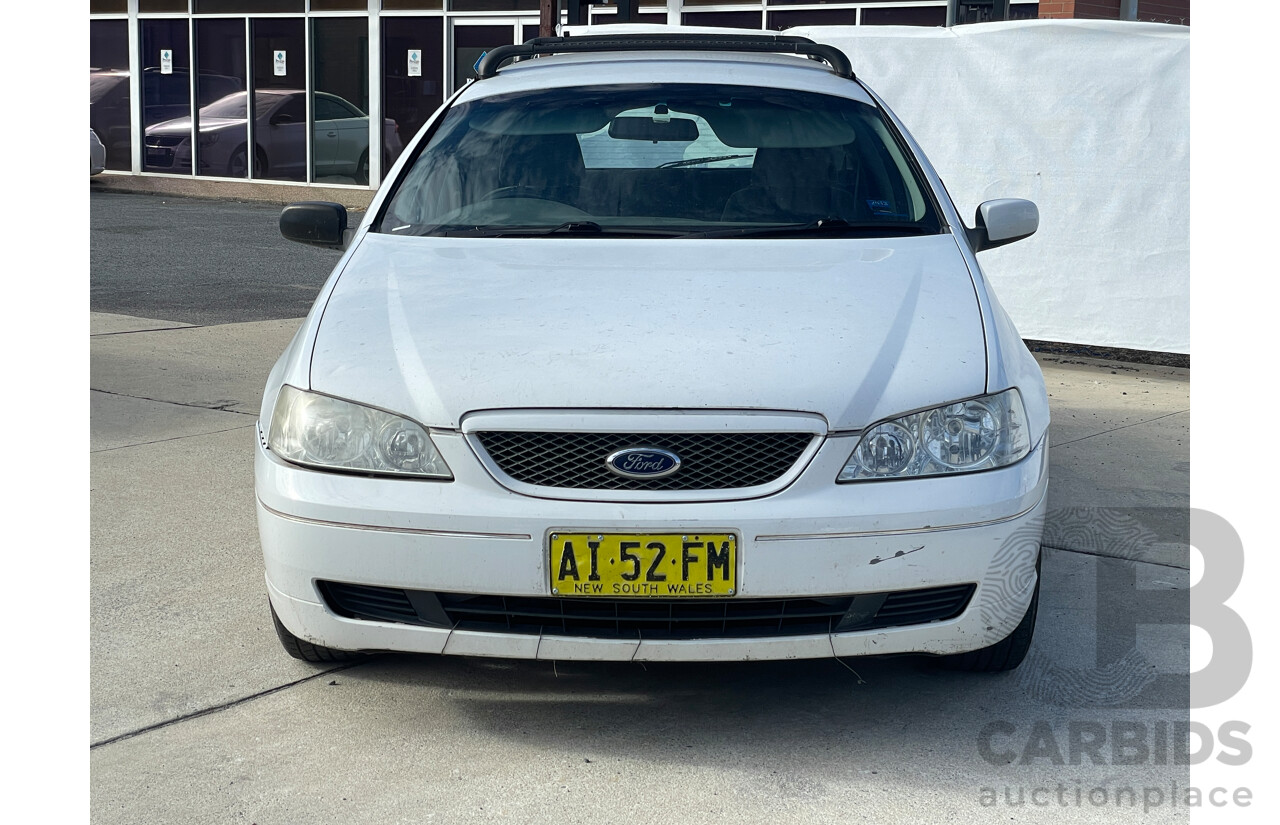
<point>951,12</point>
<point>548,16</point>
<point>1128,9</point>
<point>377,111</point>
<point>673,12</point>
<point>136,149</point>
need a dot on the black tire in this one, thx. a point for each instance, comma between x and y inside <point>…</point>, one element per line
<point>1005,654</point>
<point>238,165</point>
<point>307,652</point>
<point>362,168</point>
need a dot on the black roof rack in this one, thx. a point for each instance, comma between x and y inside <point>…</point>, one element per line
<point>765,43</point>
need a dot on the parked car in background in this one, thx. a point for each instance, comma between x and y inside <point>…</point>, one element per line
<point>164,96</point>
<point>97,154</point>
<point>341,136</point>
<point>657,348</point>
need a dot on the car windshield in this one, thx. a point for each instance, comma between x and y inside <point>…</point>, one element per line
<point>664,160</point>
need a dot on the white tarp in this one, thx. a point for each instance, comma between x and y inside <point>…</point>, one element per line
<point>1089,119</point>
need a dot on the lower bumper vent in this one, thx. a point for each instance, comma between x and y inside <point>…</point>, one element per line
<point>648,618</point>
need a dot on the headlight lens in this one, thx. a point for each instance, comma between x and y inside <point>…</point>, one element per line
<point>978,434</point>
<point>320,431</point>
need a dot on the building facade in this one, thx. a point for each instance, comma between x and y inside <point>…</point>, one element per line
<point>338,87</point>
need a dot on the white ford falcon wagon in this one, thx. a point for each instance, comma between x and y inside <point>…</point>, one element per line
<point>657,347</point>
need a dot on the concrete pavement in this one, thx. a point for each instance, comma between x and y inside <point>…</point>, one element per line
<point>197,715</point>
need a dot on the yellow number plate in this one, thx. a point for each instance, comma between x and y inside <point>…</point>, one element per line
<point>664,565</point>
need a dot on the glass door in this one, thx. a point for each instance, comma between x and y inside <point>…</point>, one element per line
<point>472,37</point>
<point>412,77</point>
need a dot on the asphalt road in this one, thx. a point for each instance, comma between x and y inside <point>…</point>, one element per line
<point>198,261</point>
<point>198,716</point>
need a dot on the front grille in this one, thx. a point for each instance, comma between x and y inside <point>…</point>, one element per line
<point>708,461</point>
<point>649,618</point>
<point>164,140</point>
<point>646,619</point>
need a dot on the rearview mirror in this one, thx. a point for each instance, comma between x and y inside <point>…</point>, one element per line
<point>1003,221</point>
<point>317,223</point>
<point>647,128</point>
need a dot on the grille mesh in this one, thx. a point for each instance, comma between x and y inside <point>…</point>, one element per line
<point>708,461</point>
<point>646,619</point>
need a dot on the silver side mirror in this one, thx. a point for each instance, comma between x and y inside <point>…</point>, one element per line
<point>1003,221</point>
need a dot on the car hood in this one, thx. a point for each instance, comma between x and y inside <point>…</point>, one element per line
<point>182,125</point>
<point>853,330</point>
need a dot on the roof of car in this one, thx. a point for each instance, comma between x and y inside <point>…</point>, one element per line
<point>722,67</point>
<point>701,41</point>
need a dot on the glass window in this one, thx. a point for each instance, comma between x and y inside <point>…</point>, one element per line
<point>412,5</point>
<point>166,96</point>
<point>146,6</point>
<point>109,109</point>
<point>249,6</point>
<point>409,99</point>
<point>728,19</point>
<point>780,20</point>
<point>642,17</point>
<point>493,5</point>
<point>108,6</point>
<point>279,84</point>
<point>919,16</point>
<point>222,78</point>
<point>340,140</point>
<point>469,42</point>
<point>661,160</point>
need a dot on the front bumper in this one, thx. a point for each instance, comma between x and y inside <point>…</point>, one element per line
<point>814,538</point>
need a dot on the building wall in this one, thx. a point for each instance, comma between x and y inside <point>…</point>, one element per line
<point>1165,11</point>
<point>1153,11</point>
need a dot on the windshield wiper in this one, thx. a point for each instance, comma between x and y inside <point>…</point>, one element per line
<point>695,161</point>
<point>566,228</point>
<point>834,226</point>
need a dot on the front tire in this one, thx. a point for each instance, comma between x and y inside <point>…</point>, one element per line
<point>362,169</point>
<point>304,650</point>
<point>238,165</point>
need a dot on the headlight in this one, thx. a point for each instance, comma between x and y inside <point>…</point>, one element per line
<point>978,434</point>
<point>319,431</point>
